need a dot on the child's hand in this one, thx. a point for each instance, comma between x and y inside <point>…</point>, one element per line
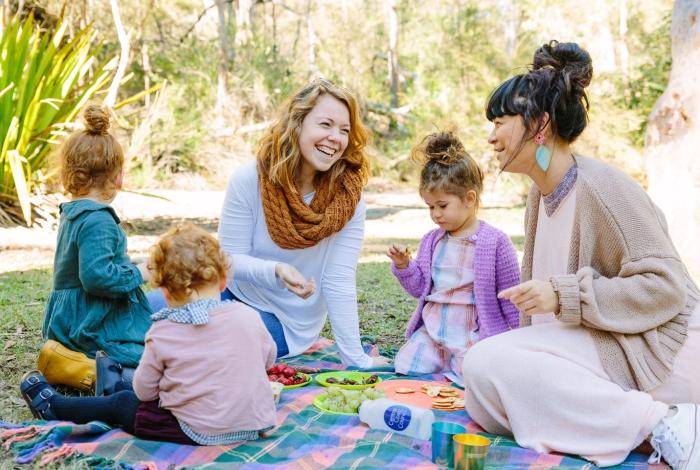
<point>532,297</point>
<point>294,281</point>
<point>400,255</point>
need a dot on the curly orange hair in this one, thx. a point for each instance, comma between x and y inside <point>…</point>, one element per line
<point>92,158</point>
<point>186,259</point>
<point>279,155</point>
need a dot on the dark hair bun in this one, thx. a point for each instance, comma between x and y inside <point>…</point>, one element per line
<point>568,59</point>
<point>96,120</point>
<point>444,147</point>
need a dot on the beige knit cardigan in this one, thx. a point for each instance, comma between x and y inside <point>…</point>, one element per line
<point>626,281</point>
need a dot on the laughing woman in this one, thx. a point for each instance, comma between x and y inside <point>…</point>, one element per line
<point>610,358</point>
<point>293,223</point>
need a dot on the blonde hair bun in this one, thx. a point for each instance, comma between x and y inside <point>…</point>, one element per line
<point>96,120</point>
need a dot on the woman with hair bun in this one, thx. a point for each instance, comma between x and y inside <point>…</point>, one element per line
<point>460,268</point>
<point>609,358</point>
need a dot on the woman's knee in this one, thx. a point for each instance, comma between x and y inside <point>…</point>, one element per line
<point>486,358</point>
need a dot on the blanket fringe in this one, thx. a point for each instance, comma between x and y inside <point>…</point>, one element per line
<point>44,444</point>
<point>57,455</point>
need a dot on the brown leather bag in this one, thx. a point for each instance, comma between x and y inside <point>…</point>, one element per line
<point>62,366</point>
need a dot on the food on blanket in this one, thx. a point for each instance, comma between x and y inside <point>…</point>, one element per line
<point>432,390</point>
<point>374,378</point>
<point>404,390</point>
<point>448,403</point>
<point>285,375</point>
<point>339,400</point>
<point>444,400</point>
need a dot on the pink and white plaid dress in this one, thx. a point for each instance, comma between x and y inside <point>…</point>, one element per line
<point>450,319</point>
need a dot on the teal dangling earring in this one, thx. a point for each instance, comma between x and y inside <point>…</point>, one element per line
<point>543,155</point>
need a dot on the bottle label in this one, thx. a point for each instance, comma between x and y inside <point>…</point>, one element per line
<point>397,417</point>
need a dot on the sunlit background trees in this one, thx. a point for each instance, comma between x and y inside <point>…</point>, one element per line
<point>201,78</point>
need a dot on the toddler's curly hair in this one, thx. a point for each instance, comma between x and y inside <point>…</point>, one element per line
<point>185,259</point>
<point>91,158</point>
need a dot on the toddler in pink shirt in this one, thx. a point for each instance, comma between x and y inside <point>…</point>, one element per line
<point>202,379</point>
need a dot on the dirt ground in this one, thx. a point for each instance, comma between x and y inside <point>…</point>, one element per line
<point>393,215</point>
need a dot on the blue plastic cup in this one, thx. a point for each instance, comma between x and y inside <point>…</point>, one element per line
<point>442,442</point>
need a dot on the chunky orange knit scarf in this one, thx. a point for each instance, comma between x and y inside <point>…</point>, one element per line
<point>292,224</point>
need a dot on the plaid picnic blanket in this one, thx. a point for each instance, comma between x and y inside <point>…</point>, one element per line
<point>306,438</point>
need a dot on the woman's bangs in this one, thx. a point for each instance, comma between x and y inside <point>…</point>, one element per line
<point>506,100</point>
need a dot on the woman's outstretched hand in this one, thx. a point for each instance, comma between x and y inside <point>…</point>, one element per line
<point>532,297</point>
<point>294,281</point>
<point>400,255</point>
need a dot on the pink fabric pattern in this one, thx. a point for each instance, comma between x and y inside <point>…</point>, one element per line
<point>449,314</point>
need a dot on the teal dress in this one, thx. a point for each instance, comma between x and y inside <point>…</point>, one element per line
<point>97,302</point>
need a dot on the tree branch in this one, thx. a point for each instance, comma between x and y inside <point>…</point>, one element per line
<point>199,18</point>
<point>111,98</point>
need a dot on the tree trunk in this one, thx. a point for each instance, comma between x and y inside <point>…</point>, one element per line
<point>622,50</point>
<point>511,27</point>
<point>243,22</point>
<point>111,98</point>
<point>673,137</point>
<point>393,27</point>
<point>312,41</point>
<point>225,56</point>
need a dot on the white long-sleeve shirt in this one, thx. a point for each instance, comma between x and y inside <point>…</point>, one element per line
<point>332,263</point>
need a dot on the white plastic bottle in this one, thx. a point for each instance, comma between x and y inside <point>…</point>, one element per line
<point>397,417</point>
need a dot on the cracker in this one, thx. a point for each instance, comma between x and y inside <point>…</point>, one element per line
<point>404,390</point>
<point>445,400</point>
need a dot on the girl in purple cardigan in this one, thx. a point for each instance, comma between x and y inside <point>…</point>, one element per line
<point>460,268</point>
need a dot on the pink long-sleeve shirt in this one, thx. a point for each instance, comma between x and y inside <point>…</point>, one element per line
<point>211,376</point>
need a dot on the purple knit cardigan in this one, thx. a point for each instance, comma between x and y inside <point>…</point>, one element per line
<point>495,269</point>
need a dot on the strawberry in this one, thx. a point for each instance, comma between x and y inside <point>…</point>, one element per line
<point>289,372</point>
<point>285,381</point>
<point>272,377</point>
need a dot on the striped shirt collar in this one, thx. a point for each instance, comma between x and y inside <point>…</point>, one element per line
<point>554,199</point>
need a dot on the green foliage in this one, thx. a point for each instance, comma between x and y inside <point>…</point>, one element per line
<point>651,74</point>
<point>451,54</point>
<point>45,79</point>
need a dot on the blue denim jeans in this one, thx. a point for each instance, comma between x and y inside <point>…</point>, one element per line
<point>273,325</point>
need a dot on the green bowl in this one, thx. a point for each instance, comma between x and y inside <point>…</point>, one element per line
<point>321,379</point>
<point>319,402</point>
